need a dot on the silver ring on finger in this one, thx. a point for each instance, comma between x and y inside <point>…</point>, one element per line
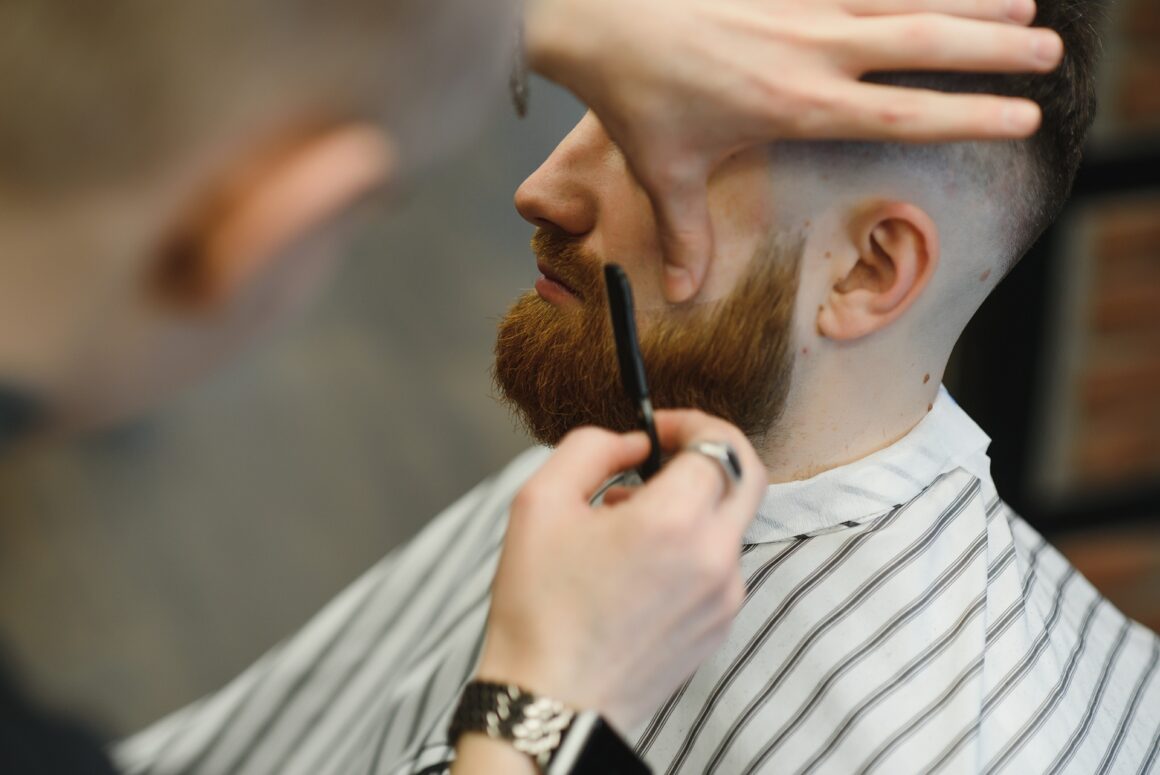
<point>723,454</point>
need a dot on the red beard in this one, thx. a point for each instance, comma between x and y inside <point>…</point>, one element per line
<point>733,358</point>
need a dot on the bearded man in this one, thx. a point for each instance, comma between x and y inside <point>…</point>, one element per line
<point>898,616</point>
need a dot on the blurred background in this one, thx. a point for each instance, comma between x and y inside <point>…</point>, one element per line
<point>143,568</point>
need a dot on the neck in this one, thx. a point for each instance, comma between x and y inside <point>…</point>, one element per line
<point>835,416</point>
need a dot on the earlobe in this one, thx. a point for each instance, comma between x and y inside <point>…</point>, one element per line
<point>239,229</point>
<point>895,253</point>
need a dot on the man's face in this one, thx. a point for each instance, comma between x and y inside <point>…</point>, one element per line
<point>728,352</point>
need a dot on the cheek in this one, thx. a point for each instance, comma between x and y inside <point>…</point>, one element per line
<point>742,210</point>
<point>741,198</point>
<point>626,234</point>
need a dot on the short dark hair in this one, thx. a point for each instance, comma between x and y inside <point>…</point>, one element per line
<point>1067,97</point>
<point>105,92</point>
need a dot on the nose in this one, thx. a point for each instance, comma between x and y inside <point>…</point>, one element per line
<point>563,193</point>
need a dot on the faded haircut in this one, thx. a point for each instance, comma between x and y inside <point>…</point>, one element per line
<point>1028,180</point>
<point>101,92</point>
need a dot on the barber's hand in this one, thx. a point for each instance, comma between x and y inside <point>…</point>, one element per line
<point>612,608</point>
<point>681,85</point>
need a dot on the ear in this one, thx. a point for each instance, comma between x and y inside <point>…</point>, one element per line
<point>896,252</point>
<point>244,223</point>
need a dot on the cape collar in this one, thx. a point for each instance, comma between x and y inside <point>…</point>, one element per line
<point>946,439</point>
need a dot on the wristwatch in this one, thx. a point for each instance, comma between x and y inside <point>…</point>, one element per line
<point>558,739</point>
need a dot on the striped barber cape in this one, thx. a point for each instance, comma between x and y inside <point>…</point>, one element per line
<point>899,618</point>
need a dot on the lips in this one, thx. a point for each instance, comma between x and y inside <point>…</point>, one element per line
<point>557,278</point>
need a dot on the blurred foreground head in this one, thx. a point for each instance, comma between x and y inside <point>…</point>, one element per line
<point>173,175</point>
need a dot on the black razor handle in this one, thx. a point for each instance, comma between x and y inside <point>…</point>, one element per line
<point>632,375</point>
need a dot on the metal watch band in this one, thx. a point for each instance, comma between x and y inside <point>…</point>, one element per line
<point>532,725</point>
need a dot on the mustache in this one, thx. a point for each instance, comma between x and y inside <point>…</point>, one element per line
<point>577,267</point>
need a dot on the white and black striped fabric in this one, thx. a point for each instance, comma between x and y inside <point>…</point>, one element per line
<point>899,618</point>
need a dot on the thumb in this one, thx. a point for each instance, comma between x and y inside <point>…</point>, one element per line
<point>586,459</point>
<point>681,205</point>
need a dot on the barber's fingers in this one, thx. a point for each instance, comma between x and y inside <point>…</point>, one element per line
<point>1017,11</point>
<point>586,459</point>
<point>687,488</point>
<point>692,488</point>
<point>678,189</point>
<point>928,41</point>
<point>690,485</point>
<point>678,428</point>
<point>920,115</point>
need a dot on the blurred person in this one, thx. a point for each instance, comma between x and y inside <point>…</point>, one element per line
<point>898,616</point>
<point>174,176</point>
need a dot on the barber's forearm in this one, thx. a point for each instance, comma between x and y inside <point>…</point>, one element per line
<point>477,754</point>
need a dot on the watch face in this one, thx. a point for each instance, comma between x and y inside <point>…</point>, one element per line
<point>592,748</point>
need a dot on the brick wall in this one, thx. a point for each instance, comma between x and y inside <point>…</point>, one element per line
<point>1104,394</point>
<point>1101,429</point>
<point>1117,400</point>
<point>1135,104</point>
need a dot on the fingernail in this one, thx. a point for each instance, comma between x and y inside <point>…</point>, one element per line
<point>1048,47</point>
<point>1020,117</point>
<point>1021,10</point>
<point>678,283</point>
